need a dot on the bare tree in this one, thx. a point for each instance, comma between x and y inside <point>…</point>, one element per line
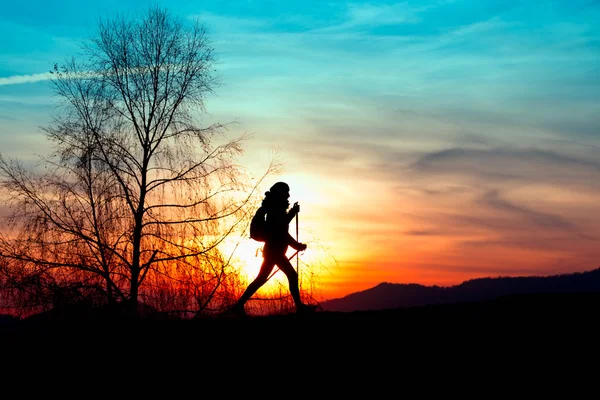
<point>134,190</point>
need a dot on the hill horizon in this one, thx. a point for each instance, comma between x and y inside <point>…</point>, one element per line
<point>386,295</point>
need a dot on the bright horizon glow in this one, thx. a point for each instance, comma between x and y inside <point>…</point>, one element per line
<point>246,255</point>
<point>427,141</point>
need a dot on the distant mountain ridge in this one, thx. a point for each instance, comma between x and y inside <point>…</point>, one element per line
<point>398,295</point>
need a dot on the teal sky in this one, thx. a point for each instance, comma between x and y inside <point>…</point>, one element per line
<point>450,139</point>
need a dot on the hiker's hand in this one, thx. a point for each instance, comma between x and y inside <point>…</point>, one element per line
<point>295,209</point>
<point>302,247</point>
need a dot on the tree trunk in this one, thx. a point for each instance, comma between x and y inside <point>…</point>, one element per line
<point>132,305</point>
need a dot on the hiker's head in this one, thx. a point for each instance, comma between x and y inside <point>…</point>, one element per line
<point>280,190</point>
<point>278,195</point>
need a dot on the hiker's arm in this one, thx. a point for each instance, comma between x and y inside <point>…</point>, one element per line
<point>293,212</point>
<point>290,216</point>
<point>296,245</point>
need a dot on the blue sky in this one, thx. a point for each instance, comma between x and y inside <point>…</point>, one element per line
<point>474,125</point>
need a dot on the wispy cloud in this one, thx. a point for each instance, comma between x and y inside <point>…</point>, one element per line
<point>505,165</point>
<point>8,118</point>
<point>379,14</point>
<point>20,79</point>
<point>355,16</point>
<point>493,200</point>
<point>231,24</point>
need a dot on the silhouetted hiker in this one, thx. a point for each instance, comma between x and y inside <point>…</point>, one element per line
<point>277,240</point>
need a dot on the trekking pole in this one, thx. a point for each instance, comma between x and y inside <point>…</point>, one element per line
<point>298,258</point>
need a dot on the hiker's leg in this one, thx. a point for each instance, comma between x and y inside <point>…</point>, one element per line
<point>292,276</point>
<point>263,275</point>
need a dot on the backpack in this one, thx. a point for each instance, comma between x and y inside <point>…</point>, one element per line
<point>258,224</point>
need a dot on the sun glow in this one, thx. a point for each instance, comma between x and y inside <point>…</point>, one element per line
<point>246,254</point>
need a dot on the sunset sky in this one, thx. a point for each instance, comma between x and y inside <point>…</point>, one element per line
<point>427,142</point>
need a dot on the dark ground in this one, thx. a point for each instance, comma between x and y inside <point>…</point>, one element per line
<point>536,339</point>
<point>512,316</point>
